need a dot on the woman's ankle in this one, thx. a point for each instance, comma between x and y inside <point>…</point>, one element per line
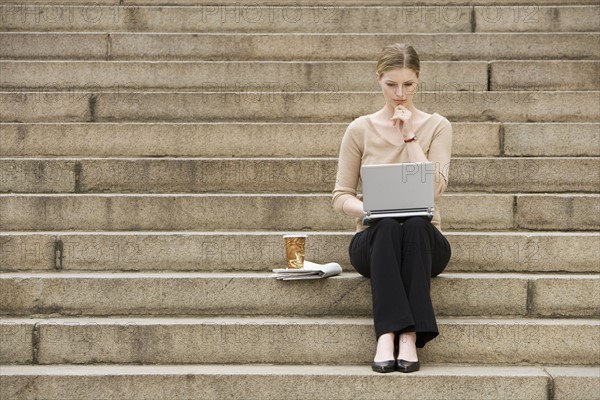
<point>408,347</point>
<point>385,347</point>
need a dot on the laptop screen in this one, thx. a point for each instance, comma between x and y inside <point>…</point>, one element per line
<point>395,187</point>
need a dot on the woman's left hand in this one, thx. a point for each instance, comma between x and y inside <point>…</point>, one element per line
<point>402,119</point>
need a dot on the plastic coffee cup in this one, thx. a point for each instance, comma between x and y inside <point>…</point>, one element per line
<point>294,250</point>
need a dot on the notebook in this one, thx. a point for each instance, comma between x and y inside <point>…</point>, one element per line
<point>397,191</point>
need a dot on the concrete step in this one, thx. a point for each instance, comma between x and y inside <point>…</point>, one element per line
<point>281,212</point>
<point>284,47</point>
<point>305,76</point>
<point>248,75</point>
<point>506,175</point>
<point>341,2</point>
<point>549,139</point>
<point>545,75</point>
<point>243,139</point>
<point>574,382</point>
<point>229,212</point>
<point>535,210</point>
<point>219,294</point>
<point>329,18</point>
<point>283,105</point>
<point>529,252</point>
<point>273,17</point>
<point>290,340</point>
<point>536,18</point>
<point>270,340</point>
<point>276,175</point>
<point>209,381</point>
<point>247,139</point>
<point>298,3</point>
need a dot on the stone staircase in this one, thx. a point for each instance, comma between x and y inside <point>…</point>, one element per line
<point>153,152</point>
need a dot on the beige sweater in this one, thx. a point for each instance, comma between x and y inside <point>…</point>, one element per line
<point>362,144</point>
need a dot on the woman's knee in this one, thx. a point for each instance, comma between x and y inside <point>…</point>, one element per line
<point>387,224</point>
<point>416,224</point>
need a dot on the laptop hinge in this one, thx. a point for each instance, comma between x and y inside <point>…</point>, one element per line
<point>406,211</point>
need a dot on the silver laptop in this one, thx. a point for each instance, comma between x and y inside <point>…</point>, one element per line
<point>397,191</point>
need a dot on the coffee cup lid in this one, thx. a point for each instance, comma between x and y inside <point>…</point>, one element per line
<point>294,235</point>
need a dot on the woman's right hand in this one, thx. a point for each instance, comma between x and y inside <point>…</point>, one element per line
<point>353,207</point>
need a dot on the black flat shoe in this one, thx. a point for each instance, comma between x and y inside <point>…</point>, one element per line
<point>407,366</point>
<point>384,366</point>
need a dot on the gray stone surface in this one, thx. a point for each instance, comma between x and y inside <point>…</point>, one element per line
<point>130,294</point>
<point>195,251</point>
<point>551,110</point>
<point>276,17</point>
<point>292,106</point>
<point>325,340</point>
<point>461,212</point>
<point>455,294</point>
<point>45,45</point>
<point>211,139</point>
<point>575,383</point>
<point>16,344</point>
<point>86,2</point>
<point>469,46</point>
<point>573,295</point>
<point>223,175</point>
<point>510,175</point>
<point>27,251</point>
<point>254,17</point>
<point>277,175</point>
<point>295,2</point>
<point>576,252</point>
<point>45,106</point>
<point>28,175</point>
<point>272,382</point>
<point>344,2</point>
<point>471,105</point>
<point>240,139</point>
<point>227,212</point>
<point>533,139</point>
<point>525,252</point>
<point>475,139</point>
<point>545,75</point>
<point>536,17</point>
<point>550,341</point>
<point>230,76</point>
<point>173,212</point>
<point>558,212</point>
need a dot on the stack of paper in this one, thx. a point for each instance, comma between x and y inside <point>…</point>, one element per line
<point>311,270</point>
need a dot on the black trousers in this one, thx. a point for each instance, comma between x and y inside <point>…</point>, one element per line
<point>400,258</point>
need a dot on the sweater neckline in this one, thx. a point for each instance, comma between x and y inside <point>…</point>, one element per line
<point>401,144</point>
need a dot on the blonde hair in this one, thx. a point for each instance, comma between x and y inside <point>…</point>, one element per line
<point>398,55</point>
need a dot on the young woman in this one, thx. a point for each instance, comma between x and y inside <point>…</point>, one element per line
<point>399,257</point>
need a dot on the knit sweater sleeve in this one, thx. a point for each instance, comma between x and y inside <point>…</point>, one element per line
<point>439,155</point>
<point>349,162</point>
